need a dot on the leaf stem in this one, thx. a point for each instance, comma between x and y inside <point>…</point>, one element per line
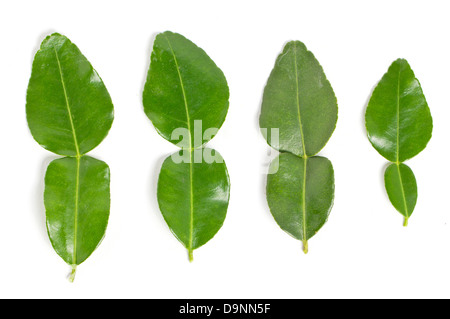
<point>405,224</point>
<point>305,246</point>
<point>73,273</point>
<point>191,255</point>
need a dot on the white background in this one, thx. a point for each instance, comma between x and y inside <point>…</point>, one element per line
<point>363,250</point>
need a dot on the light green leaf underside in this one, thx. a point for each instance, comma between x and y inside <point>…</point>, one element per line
<point>300,102</point>
<point>300,193</point>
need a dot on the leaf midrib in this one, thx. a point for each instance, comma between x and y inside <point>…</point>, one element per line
<point>191,177</point>
<point>398,146</point>
<point>305,157</point>
<point>74,134</point>
<point>77,179</point>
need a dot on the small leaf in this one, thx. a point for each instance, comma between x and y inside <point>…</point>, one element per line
<point>299,101</point>
<point>398,119</point>
<point>77,203</point>
<point>184,85</point>
<point>401,188</point>
<point>186,98</point>
<point>193,197</point>
<point>69,110</point>
<point>300,194</point>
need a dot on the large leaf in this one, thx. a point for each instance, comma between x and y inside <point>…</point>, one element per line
<point>184,85</point>
<point>300,194</point>
<point>299,101</point>
<point>77,202</point>
<point>193,196</point>
<point>401,188</point>
<point>69,110</point>
<point>399,126</point>
<point>398,119</point>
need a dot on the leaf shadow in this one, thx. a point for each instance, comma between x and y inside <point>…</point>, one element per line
<point>363,127</point>
<point>38,197</point>
<point>147,63</point>
<point>364,109</point>
<point>270,153</point>
<point>153,188</point>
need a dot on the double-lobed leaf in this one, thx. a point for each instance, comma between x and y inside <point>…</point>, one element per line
<point>184,85</point>
<point>69,112</point>
<point>399,126</point>
<point>186,98</point>
<point>299,104</point>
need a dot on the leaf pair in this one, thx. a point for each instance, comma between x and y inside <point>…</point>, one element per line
<point>69,112</point>
<point>399,126</point>
<point>186,98</point>
<point>299,109</point>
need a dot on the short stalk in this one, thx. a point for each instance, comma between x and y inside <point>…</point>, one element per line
<point>405,224</point>
<point>73,273</point>
<point>305,246</point>
<point>191,255</point>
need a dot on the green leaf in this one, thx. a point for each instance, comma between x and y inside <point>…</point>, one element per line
<point>69,110</point>
<point>299,101</point>
<point>399,126</point>
<point>193,196</point>
<point>77,202</point>
<point>398,119</point>
<point>401,188</point>
<point>300,194</point>
<point>184,85</point>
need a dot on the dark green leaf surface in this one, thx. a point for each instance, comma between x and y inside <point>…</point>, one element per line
<point>193,197</point>
<point>184,85</point>
<point>77,202</point>
<point>401,188</point>
<point>300,194</point>
<point>398,119</point>
<point>299,101</point>
<point>69,110</point>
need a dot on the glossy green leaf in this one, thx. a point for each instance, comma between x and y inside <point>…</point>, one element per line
<point>193,197</point>
<point>401,188</point>
<point>299,101</point>
<point>77,202</point>
<point>184,85</point>
<point>398,119</point>
<point>69,110</point>
<point>399,126</point>
<point>300,194</point>
<point>186,98</point>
